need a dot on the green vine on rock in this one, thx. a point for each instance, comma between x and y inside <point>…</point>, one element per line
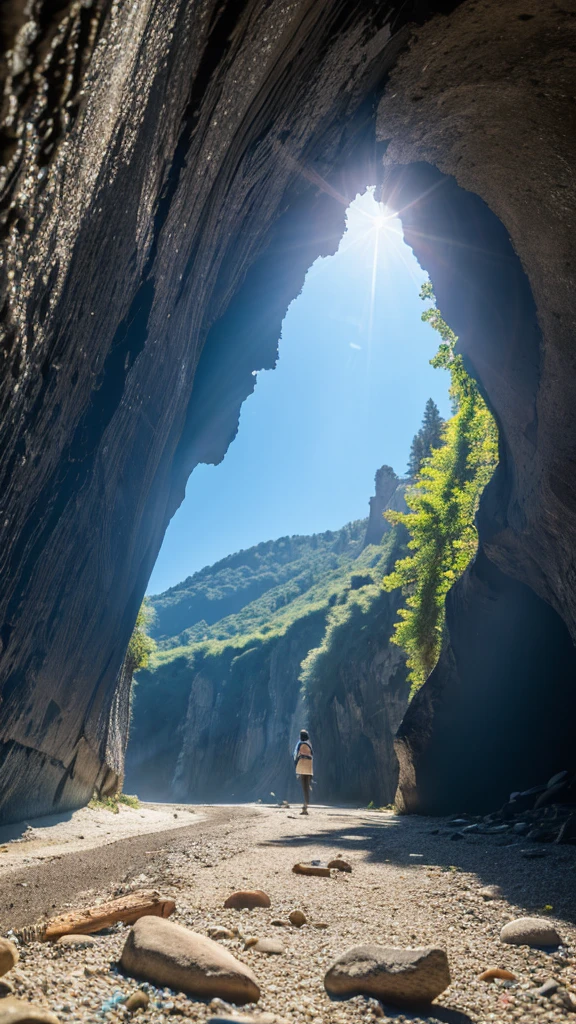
<point>141,646</point>
<point>442,506</point>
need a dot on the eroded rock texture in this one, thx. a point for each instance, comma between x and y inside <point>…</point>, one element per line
<point>484,102</point>
<point>171,172</point>
<point>354,719</point>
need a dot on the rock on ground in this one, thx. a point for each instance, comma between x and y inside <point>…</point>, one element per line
<point>496,973</point>
<point>247,899</point>
<point>530,931</point>
<point>80,941</point>
<point>8,956</point>
<point>270,946</point>
<point>297,918</point>
<point>339,864</point>
<point>14,1011</point>
<point>171,956</point>
<point>321,870</point>
<point>406,977</point>
<point>137,1001</point>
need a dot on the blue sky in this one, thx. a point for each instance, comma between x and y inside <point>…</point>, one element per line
<point>347,396</point>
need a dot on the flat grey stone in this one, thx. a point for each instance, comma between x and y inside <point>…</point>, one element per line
<point>404,977</point>
<point>270,946</point>
<point>77,941</point>
<point>548,988</point>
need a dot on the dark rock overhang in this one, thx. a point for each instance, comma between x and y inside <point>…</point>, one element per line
<point>171,172</point>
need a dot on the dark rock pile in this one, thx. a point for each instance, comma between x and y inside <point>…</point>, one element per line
<point>541,814</point>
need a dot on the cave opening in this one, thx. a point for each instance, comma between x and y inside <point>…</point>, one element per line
<point>238,587</point>
<point>239,695</point>
<point>346,394</point>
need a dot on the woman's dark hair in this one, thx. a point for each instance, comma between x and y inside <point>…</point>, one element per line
<point>304,735</point>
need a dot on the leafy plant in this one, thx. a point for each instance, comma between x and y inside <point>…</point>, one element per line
<point>141,646</point>
<point>442,506</point>
<point>111,803</point>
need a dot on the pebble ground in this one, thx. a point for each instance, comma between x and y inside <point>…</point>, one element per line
<point>411,885</point>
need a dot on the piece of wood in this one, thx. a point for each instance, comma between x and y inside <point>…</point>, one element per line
<point>94,919</point>
<point>321,870</point>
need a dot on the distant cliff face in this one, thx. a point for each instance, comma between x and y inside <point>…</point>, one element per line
<point>354,713</point>
<point>386,483</point>
<point>243,719</point>
<point>217,719</point>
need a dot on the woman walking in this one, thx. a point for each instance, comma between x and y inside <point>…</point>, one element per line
<point>303,760</point>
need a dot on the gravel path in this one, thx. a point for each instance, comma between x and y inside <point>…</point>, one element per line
<point>411,885</point>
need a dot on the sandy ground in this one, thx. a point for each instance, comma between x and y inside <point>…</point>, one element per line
<point>411,885</point>
<point>59,834</point>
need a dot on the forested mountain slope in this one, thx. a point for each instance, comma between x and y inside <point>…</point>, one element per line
<point>245,591</point>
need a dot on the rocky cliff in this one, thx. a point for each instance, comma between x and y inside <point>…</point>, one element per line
<point>169,173</point>
<point>477,161</point>
<point>356,691</point>
<point>388,493</point>
<point>216,717</point>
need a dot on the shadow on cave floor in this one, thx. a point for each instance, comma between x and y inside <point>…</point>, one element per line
<point>412,841</point>
<point>10,833</point>
<point>432,1014</point>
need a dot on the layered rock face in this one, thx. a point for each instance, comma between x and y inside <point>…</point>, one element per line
<point>483,102</point>
<point>388,493</point>
<point>170,172</point>
<point>243,721</point>
<point>353,724</point>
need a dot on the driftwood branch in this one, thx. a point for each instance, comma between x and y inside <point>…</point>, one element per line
<point>94,919</point>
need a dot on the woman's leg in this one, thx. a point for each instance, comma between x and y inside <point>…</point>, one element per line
<point>305,792</point>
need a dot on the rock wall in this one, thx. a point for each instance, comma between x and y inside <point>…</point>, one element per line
<point>170,172</point>
<point>385,484</point>
<point>354,720</point>
<point>218,720</point>
<point>223,727</point>
<point>243,721</point>
<point>479,121</point>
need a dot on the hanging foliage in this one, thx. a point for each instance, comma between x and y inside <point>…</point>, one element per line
<point>442,506</point>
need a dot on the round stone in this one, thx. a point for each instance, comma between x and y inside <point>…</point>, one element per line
<point>530,931</point>
<point>247,899</point>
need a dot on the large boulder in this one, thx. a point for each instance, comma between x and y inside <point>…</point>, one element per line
<point>405,977</point>
<point>171,956</point>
